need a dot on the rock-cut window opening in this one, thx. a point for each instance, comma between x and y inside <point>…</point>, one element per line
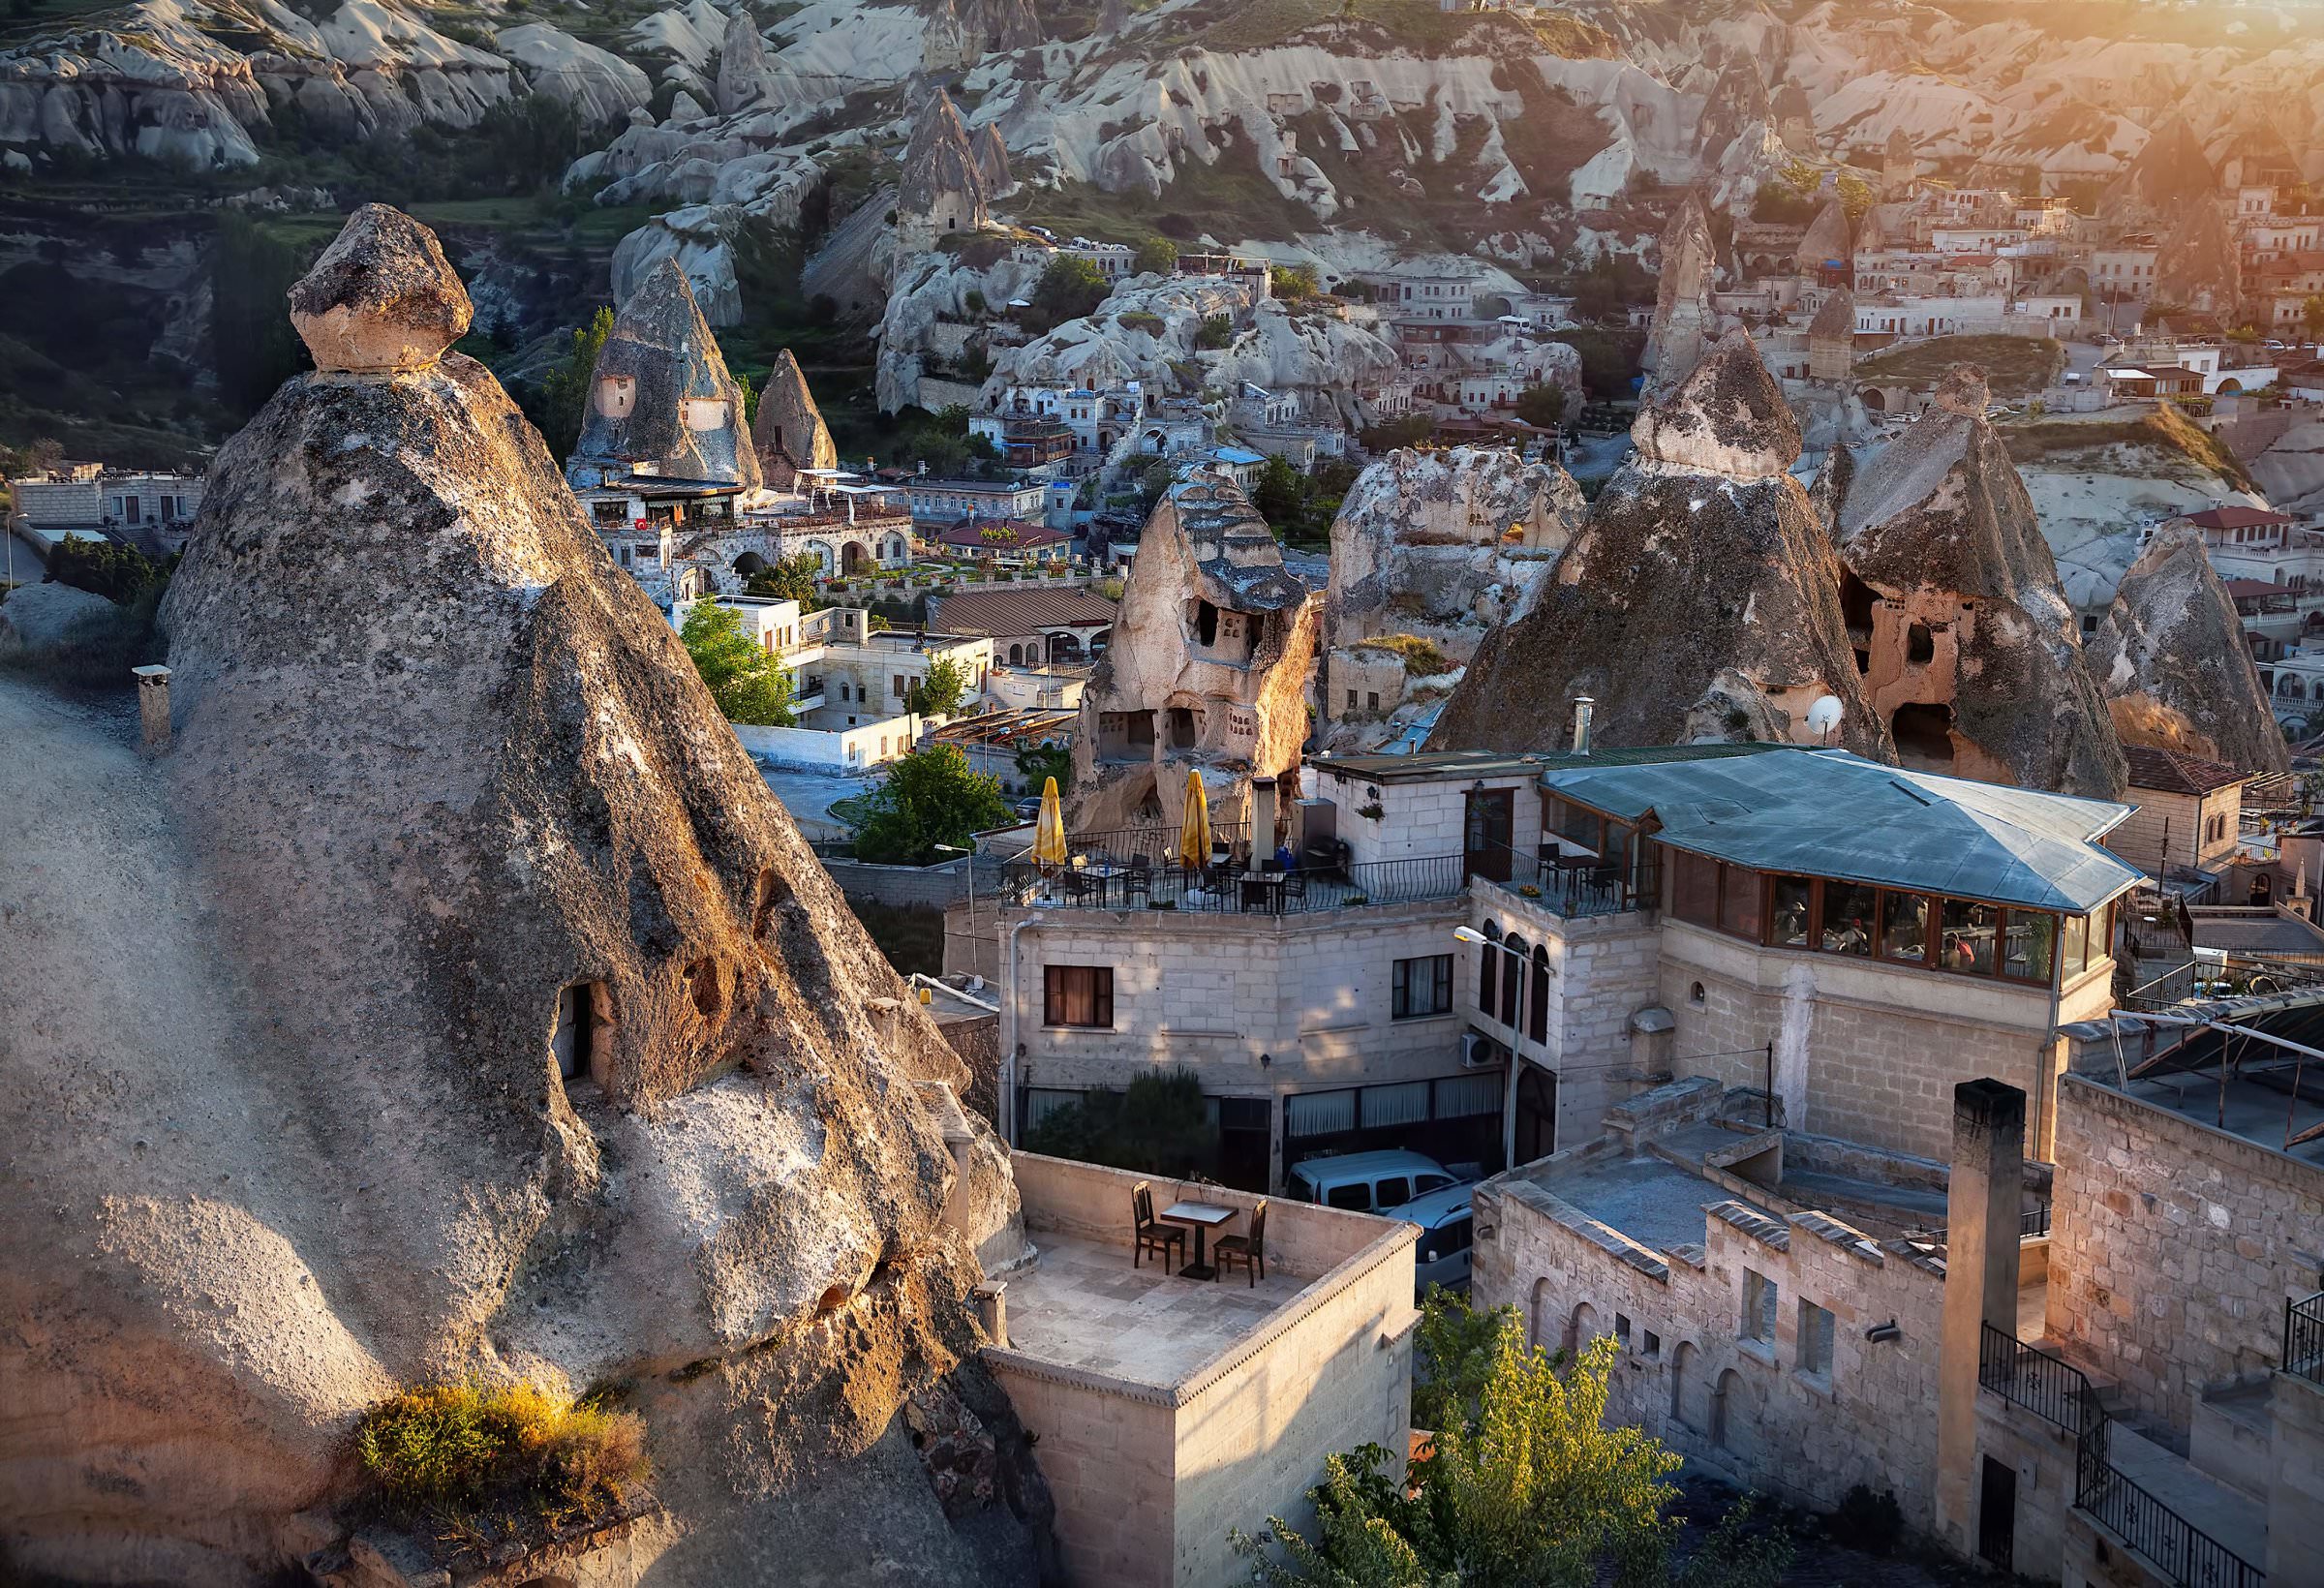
<point>581,1032</point>
<point>1924,735</point>
<point>1184,726</point>
<point>1206,623</point>
<point>1920,646</point>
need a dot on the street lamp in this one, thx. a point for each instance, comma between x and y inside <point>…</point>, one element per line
<point>1509,1100</point>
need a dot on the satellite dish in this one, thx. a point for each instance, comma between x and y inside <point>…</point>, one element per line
<point>1824,716</point>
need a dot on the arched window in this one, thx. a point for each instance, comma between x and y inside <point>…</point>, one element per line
<point>1537,1018</point>
<point>1513,985</point>
<point>1542,1322</point>
<point>1016,656</point>
<point>1488,970</point>
<point>1685,1365</point>
<point>1582,1330</point>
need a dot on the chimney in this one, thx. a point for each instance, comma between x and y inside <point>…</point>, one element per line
<point>1583,706</point>
<point>992,1311</point>
<point>669,553</point>
<point>1982,1203</point>
<point>153,706</point>
<point>1263,819</point>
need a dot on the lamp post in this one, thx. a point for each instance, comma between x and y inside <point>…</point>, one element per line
<point>956,849</point>
<point>1509,1100</point>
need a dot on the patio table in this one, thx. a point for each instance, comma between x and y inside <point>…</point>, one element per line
<point>1205,1216</point>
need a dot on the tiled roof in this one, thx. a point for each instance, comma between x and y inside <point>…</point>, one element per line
<point>2236,517</point>
<point>1007,612</point>
<point>2168,772</point>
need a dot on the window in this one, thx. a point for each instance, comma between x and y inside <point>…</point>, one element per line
<point>1393,1193</point>
<point>1489,962</point>
<point>1815,1340</point>
<point>1372,700</point>
<point>2073,952</point>
<point>1512,980</point>
<point>1968,933</point>
<point>1848,913</point>
<point>1739,902</point>
<point>1759,1299</point>
<point>1451,1238</point>
<point>1788,924</point>
<point>1079,995</point>
<point>1356,1198</point>
<point>1537,1019</point>
<point>1695,994</point>
<point>1421,986</point>
<point>1654,1344</point>
<point>897,685</point>
<point>2029,946</point>
<point>1351,700</point>
<point>1905,928</point>
<point>1622,1329</point>
<point>1695,889</point>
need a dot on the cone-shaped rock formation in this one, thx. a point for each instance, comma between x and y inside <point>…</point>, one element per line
<point>2170,659</point>
<point>1969,650</point>
<point>1700,602</point>
<point>788,433</point>
<point>1684,321</point>
<point>486,1019</point>
<point>660,396</point>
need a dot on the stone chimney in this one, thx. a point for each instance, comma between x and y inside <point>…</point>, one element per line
<point>1263,819</point>
<point>1583,705</point>
<point>992,1311</point>
<point>153,706</point>
<point>1980,1282</point>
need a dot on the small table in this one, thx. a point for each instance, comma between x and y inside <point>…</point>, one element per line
<point>1205,1216</point>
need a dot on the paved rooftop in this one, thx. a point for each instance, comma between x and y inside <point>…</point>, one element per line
<point>1082,1305</point>
<point>1654,1202</point>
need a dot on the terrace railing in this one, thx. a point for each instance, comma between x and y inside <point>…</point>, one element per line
<point>2304,1338</point>
<point>1230,890</point>
<point>2060,1393</point>
<point>1577,886</point>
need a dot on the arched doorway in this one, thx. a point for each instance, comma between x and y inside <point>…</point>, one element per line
<point>1924,736</point>
<point>851,558</point>
<point>1536,1014</point>
<point>1016,656</point>
<point>827,561</point>
<point>1734,1421</point>
<point>749,565</point>
<point>1581,1328</point>
<point>1065,648</point>
<point>1876,401</point>
<point>1537,1111</point>
<point>1686,1366</point>
<point>1540,1321</point>
<point>1512,984</point>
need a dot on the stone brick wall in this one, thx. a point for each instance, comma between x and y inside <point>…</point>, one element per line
<point>1420,819</point>
<point>2173,1247</point>
<point>1728,1403</point>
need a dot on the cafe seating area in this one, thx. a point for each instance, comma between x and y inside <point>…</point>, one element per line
<point>1145,869</point>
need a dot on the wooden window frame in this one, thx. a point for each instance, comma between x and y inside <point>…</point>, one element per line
<point>1056,995</point>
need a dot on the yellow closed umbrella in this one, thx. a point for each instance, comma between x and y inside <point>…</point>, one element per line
<point>1049,838</point>
<point>1194,827</point>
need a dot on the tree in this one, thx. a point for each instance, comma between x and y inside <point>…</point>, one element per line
<point>793,579</point>
<point>1036,764</point>
<point>939,692</point>
<point>1070,288</point>
<point>1525,1485</point>
<point>1293,282</point>
<point>932,796</point>
<point>566,391</point>
<point>1279,493</point>
<point>1541,407</point>
<point>106,568</point>
<point>1156,256</point>
<point>252,345</point>
<point>746,682</point>
<point>2311,316</point>
<point>1216,331</point>
<point>1161,1125</point>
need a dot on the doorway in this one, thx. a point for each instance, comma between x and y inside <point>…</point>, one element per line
<point>1537,1113</point>
<point>1996,1514</point>
<point>1491,821</point>
<point>570,1042</point>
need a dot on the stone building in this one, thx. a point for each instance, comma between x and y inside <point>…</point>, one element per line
<point>2189,817</point>
<point>1968,650</point>
<point>1207,668</point>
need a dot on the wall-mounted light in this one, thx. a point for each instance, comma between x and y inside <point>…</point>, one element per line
<point>1265,1059</point>
<point>1883,1332</point>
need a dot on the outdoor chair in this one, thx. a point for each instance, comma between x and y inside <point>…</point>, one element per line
<point>1153,1235</point>
<point>1249,1250</point>
<point>1602,885</point>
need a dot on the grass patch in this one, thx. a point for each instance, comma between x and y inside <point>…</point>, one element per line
<point>1229,200</point>
<point>1420,655</point>
<point>2163,428</point>
<point>452,1453</point>
<point>2015,366</point>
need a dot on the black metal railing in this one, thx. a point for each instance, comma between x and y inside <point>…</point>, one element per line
<point>2034,1221</point>
<point>2060,1393</point>
<point>1156,846</point>
<point>2050,1389</point>
<point>2187,1555</point>
<point>2304,1338</point>
<point>1227,888</point>
<point>1572,885</point>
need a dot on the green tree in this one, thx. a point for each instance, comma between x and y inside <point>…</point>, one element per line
<point>252,345</point>
<point>1279,494</point>
<point>1541,407</point>
<point>793,579</point>
<point>749,399</point>
<point>565,393</point>
<point>1216,331</point>
<point>1156,256</point>
<point>1036,764</point>
<point>2311,316</point>
<point>746,682</point>
<point>1293,282</point>
<point>1070,288</point>
<point>1161,1125</point>
<point>932,796</point>
<point>939,692</point>
<point>106,568</point>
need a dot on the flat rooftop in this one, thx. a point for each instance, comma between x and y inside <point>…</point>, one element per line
<point>1652,1200</point>
<point>1082,1305</point>
<point>2258,1105</point>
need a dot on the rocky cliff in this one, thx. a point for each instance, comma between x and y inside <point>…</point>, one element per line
<point>1700,601</point>
<point>454,1001</point>
<point>2170,657</point>
<point>1969,648</point>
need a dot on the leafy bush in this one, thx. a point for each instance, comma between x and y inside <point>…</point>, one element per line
<point>446,1450</point>
<point>1070,288</point>
<point>106,568</point>
<point>1293,282</point>
<point>1868,1521</point>
<point>1218,331</point>
<point>1159,1126</point>
<point>1156,256</point>
<point>1421,657</point>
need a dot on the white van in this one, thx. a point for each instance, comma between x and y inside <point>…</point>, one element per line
<point>1368,1182</point>
<point>1447,1230</point>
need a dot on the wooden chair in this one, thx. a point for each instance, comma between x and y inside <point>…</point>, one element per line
<point>1249,1250</point>
<point>1153,1235</point>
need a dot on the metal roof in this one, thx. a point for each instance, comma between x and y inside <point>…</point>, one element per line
<point>1832,814</point>
<point>1434,765</point>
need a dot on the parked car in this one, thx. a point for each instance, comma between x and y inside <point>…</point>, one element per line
<point>1447,1230</point>
<point>1368,1182</point>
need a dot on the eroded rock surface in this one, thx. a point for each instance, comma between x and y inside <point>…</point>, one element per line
<point>455,1001</point>
<point>1971,653</point>
<point>1698,602</point>
<point>1685,323</point>
<point>382,296</point>
<point>788,432</point>
<point>2170,657</point>
<point>660,395</point>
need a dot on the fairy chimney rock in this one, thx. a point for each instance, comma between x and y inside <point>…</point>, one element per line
<point>1964,390</point>
<point>1726,417</point>
<point>790,433</point>
<point>660,401</point>
<point>941,188</point>
<point>382,300</point>
<point>1684,318</point>
<point>992,160</point>
<point>742,72</point>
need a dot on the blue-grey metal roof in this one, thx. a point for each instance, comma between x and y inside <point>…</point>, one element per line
<point>1829,813</point>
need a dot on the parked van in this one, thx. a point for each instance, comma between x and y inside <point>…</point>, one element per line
<point>1447,1230</point>
<point>1368,1182</point>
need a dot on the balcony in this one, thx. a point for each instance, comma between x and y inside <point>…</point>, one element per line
<point>1571,884</point>
<point>1138,869</point>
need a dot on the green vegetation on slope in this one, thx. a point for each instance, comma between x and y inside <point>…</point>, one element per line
<point>2015,366</point>
<point>2162,428</point>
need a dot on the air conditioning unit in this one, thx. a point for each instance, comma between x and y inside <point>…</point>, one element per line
<point>1477,1050</point>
